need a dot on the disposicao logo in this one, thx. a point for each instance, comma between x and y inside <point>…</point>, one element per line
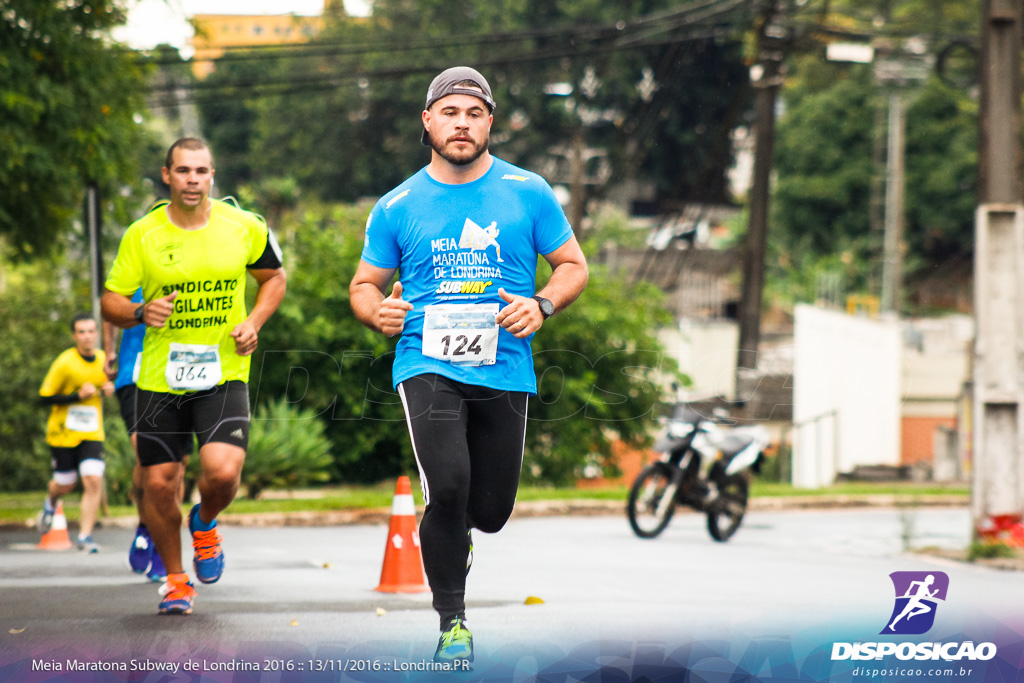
<point>917,597</point>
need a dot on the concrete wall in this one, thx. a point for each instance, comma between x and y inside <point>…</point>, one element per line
<point>706,351</point>
<point>847,373</point>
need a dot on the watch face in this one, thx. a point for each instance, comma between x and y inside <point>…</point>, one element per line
<point>546,307</point>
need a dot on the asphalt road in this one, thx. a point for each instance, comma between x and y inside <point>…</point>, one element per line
<point>298,597</point>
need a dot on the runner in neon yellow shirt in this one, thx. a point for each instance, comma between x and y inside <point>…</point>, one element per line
<point>190,259</point>
<point>74,388</point>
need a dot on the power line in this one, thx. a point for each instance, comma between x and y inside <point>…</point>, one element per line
<point>585,42</point>
<point>258,89</point>
<point>332,47</point>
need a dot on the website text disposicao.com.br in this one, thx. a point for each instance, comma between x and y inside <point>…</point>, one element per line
<point>911,672</point>
<point>950,658</point>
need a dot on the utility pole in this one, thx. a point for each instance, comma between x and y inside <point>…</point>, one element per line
<point>93,226</point>
<point>897,74</point>
<point>767,79</point>
<point>577,189</point>
<point>892,265</point>
<point>997,489</point>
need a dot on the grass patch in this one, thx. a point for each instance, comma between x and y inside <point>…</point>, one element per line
<point>533,493</point>
<point>762,488</point>
<point>990,551</point>
<point>22,506</point>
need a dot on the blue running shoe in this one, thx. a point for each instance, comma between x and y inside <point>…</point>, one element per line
<point>87,544</point>
<point>45,520</point>
<point>140,555</point>
<point>208,560</point>
<point>157,573</point>
<point>178,594</point>
<point>456,642</point>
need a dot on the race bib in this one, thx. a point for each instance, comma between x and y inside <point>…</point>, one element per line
<point>193,367</point>
<point>463,334</point>
<point>82,419</point>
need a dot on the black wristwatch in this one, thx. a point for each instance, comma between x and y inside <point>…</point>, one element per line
<point>138,314</point>
<point>547,309</point>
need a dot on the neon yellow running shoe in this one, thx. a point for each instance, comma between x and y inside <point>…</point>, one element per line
<point>456,642</point>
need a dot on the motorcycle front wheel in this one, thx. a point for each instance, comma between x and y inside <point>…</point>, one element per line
<point>651,501</point>
<point>726,512</point>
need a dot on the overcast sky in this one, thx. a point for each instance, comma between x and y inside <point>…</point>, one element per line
<point>152,22</point>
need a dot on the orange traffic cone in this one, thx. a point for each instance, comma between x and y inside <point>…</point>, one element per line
<point>403,566</point>
<point>57,537</point>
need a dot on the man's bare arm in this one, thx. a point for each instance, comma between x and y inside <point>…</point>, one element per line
<point>371,307</point>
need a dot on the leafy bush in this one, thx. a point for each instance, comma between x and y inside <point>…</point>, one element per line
<point>601,373</point>
<point>287,449</point>
<point>314,353</point>
<point>990,551</point>
<point>119,456</point>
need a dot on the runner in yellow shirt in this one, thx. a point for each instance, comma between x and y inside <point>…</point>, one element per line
<point>191,259</point>
<point>74,388</point>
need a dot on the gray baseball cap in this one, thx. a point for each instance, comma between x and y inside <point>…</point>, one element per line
<point>445,84</point>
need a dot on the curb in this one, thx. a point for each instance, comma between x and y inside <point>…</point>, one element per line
<point>543,508</point>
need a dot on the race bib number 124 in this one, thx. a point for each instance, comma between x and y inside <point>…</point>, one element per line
<point>464,334</point>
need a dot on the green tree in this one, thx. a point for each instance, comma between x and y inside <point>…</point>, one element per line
<point>342,117</point>
<point>68,102</point>
<point>601,375</point>
<point>35,312</point>
<point>941,173</point>
<point>825,171</point>
<point>823,158</point>
<point>319,358</point>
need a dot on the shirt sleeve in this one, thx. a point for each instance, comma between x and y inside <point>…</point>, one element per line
<point>264,251</point>
<point>126,274</point>
<point>53,383</point>
<point>60,399</point>
<point>380,246</point>
<point>551,228</point>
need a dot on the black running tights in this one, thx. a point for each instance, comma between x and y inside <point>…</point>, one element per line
<point>468,442</point>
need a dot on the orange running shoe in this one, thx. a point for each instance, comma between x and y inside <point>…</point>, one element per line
<point>208,560</point>
<point>178,594</point>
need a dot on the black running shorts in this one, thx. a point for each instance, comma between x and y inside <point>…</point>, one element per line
<point>126,399</point>
<point>167,422</point>
<point>68,459</point>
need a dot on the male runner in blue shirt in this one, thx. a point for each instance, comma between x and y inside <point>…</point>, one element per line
<point>464,232</point>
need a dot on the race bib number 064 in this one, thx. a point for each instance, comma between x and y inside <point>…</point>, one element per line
<point>464,334</point>
<point>193,367</point>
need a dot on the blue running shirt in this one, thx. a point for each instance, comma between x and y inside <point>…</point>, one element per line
<point>459,244</point>
<point>128,354</point>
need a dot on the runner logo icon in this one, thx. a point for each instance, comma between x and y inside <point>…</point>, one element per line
<point>917,598</point>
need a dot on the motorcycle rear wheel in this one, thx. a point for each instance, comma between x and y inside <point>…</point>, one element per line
<point>651,501</point>
<point>725,514</point>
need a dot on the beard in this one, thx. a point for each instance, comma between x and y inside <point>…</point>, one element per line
<point>462,157</point>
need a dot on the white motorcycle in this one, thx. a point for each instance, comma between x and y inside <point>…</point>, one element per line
<point>705,466</point>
